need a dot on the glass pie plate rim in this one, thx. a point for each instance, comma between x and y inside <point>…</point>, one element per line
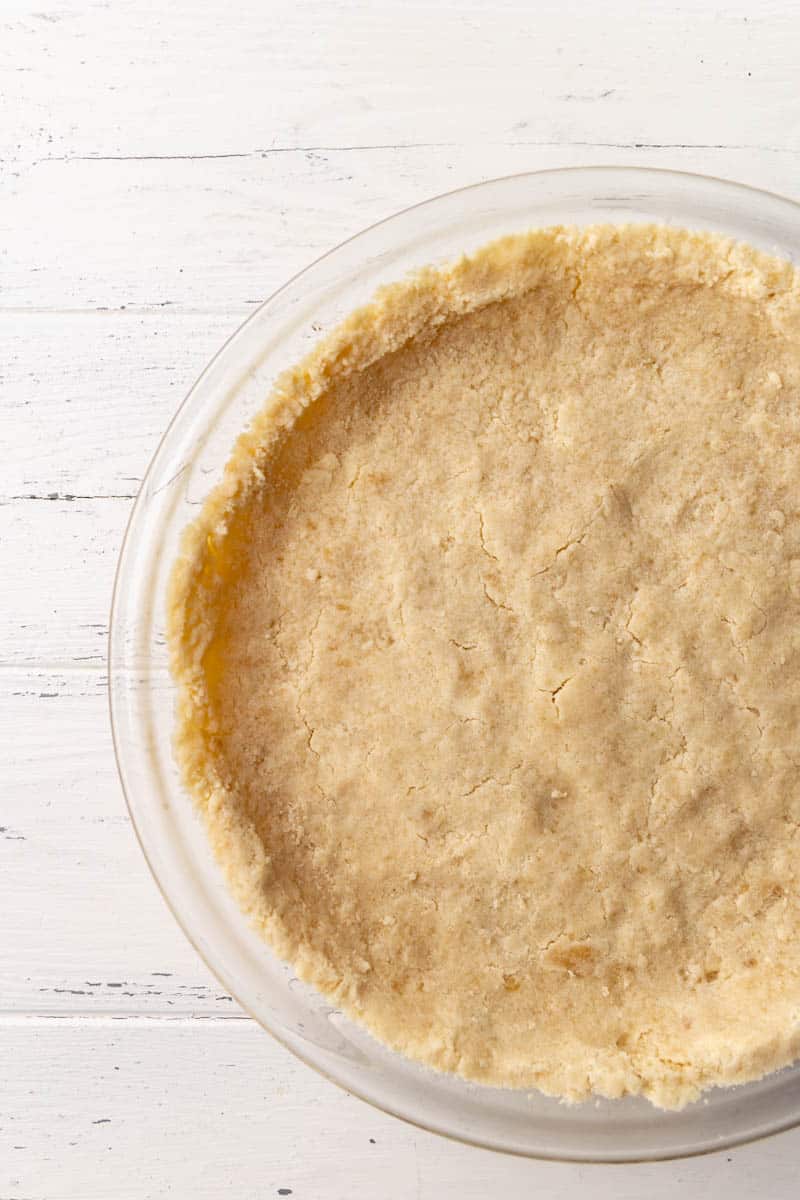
<point>188,460</point>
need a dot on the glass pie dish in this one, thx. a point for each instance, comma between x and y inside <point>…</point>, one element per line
<point>188,462</point>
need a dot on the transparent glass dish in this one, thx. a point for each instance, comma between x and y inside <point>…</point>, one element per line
<point>188,462</point>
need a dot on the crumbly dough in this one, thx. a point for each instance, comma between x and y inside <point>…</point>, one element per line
<point>488,648</point>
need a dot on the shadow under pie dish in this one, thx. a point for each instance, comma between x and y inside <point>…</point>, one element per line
<point>487,664</point>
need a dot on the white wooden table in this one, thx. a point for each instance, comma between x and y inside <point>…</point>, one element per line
<point>164,165</point>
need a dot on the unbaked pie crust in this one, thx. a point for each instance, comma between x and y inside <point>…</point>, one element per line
<point>488,652</point>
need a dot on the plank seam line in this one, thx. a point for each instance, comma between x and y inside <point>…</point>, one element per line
<point>542,143</point>
<point>11,1020</point>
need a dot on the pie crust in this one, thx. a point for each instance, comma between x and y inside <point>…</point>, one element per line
<point>488,654</point>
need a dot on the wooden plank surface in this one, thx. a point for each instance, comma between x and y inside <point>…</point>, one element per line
<point>88,929</point>
<point>59,559</point>
<point>211,78</point>
<point>152,1114</point>
<point>163,168</point>
<point>221,234</point>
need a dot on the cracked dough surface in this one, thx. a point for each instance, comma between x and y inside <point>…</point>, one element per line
<point>489,662</point>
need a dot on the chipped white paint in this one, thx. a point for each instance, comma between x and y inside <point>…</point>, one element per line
<point>163,167</point>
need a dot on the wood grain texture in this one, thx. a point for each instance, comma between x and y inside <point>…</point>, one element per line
<point>221,234</point>
<point>147,79</point>
<point>89,930</point>
<point>59,558</point>
<point>72,382</point>
<point>171,1108</point>
<point>163,168</point>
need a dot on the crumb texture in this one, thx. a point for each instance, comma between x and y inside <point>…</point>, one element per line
<point>488,649</point>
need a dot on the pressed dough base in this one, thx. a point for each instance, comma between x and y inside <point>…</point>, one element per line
<point>489,659</point>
